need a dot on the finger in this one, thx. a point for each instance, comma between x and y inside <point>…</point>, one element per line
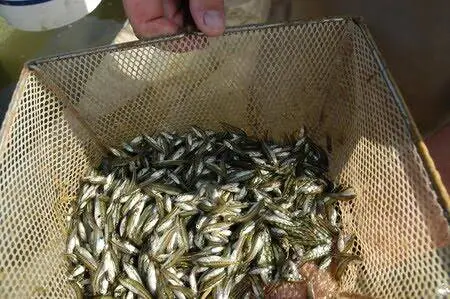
<point>209,16</point>
<point>173,12</point>
<point>149,18</point>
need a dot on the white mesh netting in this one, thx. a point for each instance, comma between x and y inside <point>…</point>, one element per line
<point>271,79</point>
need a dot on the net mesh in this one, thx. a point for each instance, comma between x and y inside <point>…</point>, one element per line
<point>268,80</point>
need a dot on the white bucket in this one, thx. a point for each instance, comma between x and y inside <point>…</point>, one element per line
<point>40,15</point>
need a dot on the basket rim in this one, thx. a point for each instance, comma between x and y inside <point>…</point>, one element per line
<point>149,41</point>
<point>430,167</point>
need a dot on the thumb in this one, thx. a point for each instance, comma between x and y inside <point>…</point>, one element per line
<point>209,16</point>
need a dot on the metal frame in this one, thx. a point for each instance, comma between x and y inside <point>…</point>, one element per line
<point>147,42</point>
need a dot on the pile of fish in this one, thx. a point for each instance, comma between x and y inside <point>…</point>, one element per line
<point>205,214</point>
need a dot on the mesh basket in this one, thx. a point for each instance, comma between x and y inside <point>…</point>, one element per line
<point>272,80</point>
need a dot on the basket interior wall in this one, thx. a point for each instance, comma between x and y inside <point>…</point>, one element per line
<point>401,232</point>
<point>270,82</point>
<point>41,162</point>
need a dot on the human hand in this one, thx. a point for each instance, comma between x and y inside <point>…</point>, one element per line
<point>151,18</point>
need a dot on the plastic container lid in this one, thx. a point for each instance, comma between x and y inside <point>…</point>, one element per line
<point>41,15</point>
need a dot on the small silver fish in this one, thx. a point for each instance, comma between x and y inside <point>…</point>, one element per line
<point>123,245</point>
<point>152,278</point>
<point>72,241</point>
<point>135,287</point>
<point>131,272</point>
<point>77,271</point>
<point>317,252</point>
<point>86,258</point>
<point>203,214</point>
<point>214,262</point>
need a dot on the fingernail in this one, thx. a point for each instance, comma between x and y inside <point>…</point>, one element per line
<point>214,20</point>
